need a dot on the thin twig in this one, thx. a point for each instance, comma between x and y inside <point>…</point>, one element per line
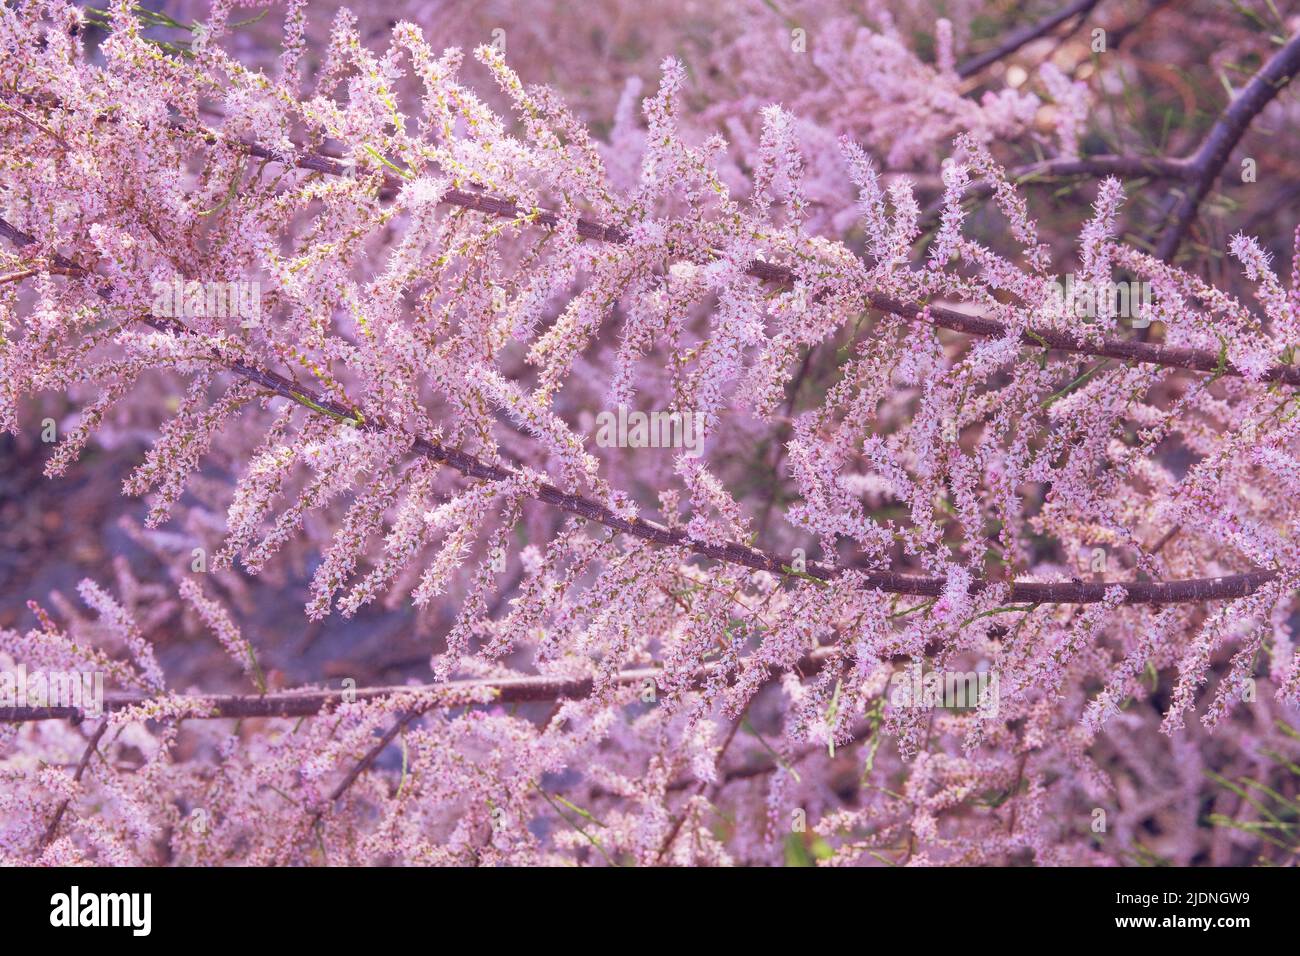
<point>1049,170</point>
<point>700,789</point>
<point>50,831</point>
<point>1013,42</point>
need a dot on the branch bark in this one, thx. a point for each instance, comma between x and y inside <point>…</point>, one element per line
<point>1223,138</point>
<point>1025,35</point>
<point>1202,360</point>
<point>1047,170</point>
<point>52,830</point>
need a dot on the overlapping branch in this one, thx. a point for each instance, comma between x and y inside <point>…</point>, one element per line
<point>1049,170</point>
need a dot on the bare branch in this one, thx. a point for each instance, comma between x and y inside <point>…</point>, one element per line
<point>1025,35</point>
<point>1050,170</point>
<point>1223,138</point>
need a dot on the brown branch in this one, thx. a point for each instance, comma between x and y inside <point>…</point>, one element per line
<point>36,123</point>
<point>50,831</point>
<point>1025,35</point>
<point>703,786</point>
<point>19,275</point>
<point>1203,360</point>
<point>373,753</point>
<point>1146,353</point>
<point>1209,160</point>
<point>364,764</point>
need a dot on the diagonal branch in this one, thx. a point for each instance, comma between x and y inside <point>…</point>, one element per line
<point>52,830</point>
<point>1025,35</point>
<point>1050,170</point>
<point>1223,138</point>
<point>1203,360</point>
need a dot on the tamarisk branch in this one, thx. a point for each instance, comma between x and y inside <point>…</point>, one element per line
<point>1148,592</point>
<point>1227,132</point>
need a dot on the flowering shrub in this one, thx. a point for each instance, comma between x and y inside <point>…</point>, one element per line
<point>944,569</point>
